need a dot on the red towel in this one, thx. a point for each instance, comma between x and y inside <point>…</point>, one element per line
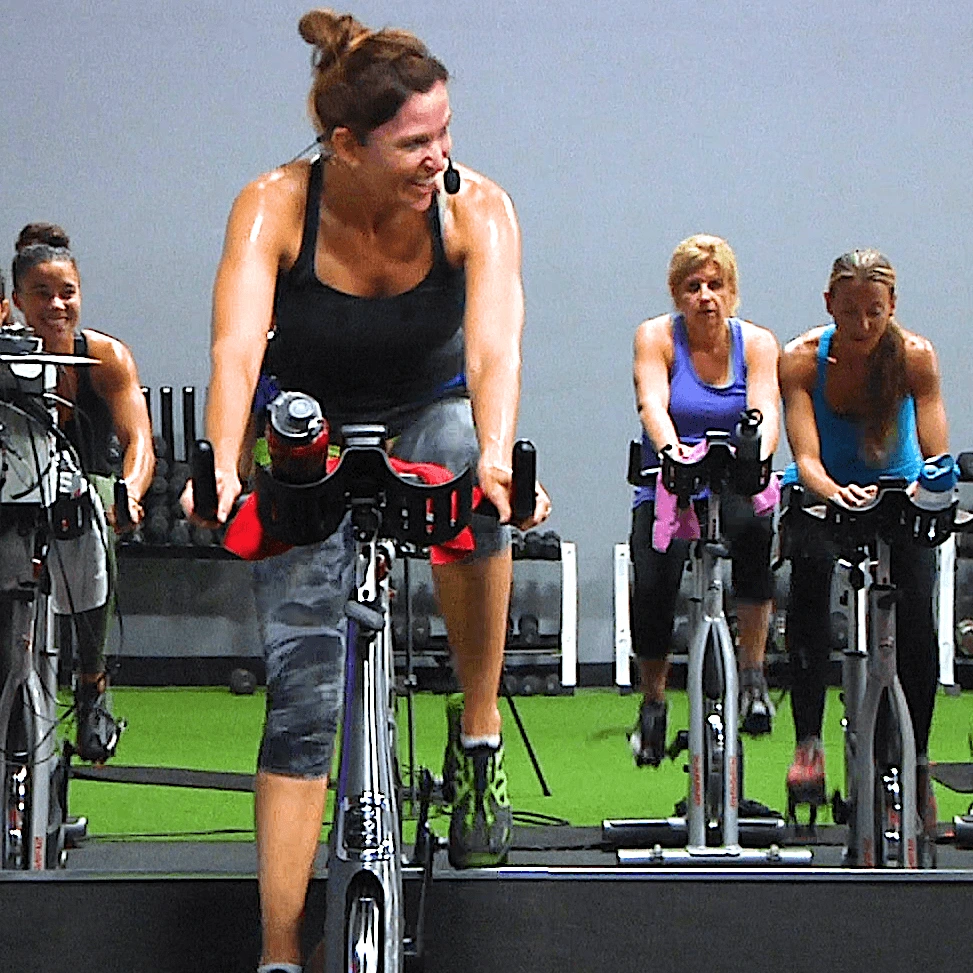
<point>245,535</point>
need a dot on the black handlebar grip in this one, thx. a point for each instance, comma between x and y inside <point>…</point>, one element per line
<point>965,463</point>
<point>122,519</point>
<point>748,436</point>
<point>524,477</point>
<point>204,480</point>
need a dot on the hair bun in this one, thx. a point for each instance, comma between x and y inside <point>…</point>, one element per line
<point>49,234</point>
<point>331,33</point>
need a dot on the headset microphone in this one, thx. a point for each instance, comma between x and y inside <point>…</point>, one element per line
<point>451,179</point>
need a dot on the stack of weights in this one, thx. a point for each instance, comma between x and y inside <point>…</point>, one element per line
<point>164,524</point>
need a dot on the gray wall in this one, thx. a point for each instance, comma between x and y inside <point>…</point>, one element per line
<point>795,131</point>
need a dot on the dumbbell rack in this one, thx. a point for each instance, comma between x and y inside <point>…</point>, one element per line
<point>165,531</point>
<point>541,653</point>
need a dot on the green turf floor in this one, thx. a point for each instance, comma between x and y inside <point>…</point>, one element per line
<point>580,740</point>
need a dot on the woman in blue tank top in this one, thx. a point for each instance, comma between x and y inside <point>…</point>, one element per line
<point>863,400</point>
<point>697,370</point>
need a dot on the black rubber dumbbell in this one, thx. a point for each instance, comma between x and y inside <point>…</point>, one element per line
<point>157,527</point>
<point>180,533</point>
<point>528,630</point>
<point>242,682</point>
<point>550,546</point>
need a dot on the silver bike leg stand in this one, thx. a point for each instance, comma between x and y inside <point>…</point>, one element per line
<point>641,842</point>
<point>42,692</point>
<point>869,849</point>
<point>854,663</point>
<point>365,863</point>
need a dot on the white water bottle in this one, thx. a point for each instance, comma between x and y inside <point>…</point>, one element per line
<point>937,482</point>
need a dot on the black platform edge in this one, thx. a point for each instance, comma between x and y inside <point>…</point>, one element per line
<point>545,920</point>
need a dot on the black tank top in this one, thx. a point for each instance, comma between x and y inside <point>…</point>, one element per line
<point>90,427</point>
<point>367,358</point>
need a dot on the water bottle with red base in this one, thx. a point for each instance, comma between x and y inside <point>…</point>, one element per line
<point>297,438</point>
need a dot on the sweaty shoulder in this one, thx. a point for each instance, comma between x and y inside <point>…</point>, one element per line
<point>116,364</point>
<point>481,214</point>
<point>799,359</point>
<point>269,211</point>
<point>654,337</point>
<point>759,341</point>
<point>921,361</point>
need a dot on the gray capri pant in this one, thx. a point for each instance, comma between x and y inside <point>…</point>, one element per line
<point>300,599</point>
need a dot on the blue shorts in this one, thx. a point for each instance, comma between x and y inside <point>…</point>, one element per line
<point>300,599</point>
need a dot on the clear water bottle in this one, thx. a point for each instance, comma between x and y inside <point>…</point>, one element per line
<point>937,482</point>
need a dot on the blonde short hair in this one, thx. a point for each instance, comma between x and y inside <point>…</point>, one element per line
<point>700,249</point>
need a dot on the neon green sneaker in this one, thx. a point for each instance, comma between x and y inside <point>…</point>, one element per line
<point>481,825</point>
<point>454,749</point>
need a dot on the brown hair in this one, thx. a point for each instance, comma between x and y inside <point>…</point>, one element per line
<point>363,77</point>
<point>700,249</point>
<point>887,383</point>
<point>49,234</point>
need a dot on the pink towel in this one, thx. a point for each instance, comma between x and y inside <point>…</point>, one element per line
<point>671,522</point>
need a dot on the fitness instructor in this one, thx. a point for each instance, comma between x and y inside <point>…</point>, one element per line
<point>393,302</point>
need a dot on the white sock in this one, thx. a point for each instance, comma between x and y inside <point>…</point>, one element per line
<point>491,740</point>
<point>279,968</point>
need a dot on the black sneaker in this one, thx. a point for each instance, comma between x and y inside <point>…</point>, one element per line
<point>481,824</point>
<point>97,729</point>
<point>756,709</point>
<point>648,739</point>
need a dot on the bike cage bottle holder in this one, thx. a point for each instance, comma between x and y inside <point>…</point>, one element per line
<point>411,513</point>
<point>742,470</point>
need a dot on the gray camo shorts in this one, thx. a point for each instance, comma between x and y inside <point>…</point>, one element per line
<point>300,599</point>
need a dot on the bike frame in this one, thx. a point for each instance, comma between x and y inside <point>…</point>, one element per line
<point>713,722</point>
<point>365,850</point>
<point>31,681</point>
<point>709,626</point>
<point>868,671</point>
<point>364,891</point>
<point>29,658</point>
<point>869,532</point>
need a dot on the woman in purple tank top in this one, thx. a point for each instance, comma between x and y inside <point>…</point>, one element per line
<point>696,370</point>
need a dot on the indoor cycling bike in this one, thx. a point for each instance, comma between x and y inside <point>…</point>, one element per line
<point>863,538</point>
<point>35,459</point>
<point>711,831</point>
<point>365,924</point>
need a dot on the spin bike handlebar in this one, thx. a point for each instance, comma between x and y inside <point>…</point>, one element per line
<point>122,520</point>
<point>892,516</point>
<point>381,501</point>
<point>721,467</point>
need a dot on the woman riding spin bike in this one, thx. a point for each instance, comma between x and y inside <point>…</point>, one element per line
<point>862,400</point>
<point>98,400</point>
<point>697,370</point>
<point>397,302</point>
